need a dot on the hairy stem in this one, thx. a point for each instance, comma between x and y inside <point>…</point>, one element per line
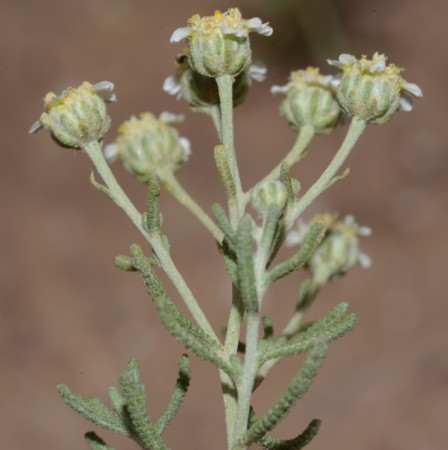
<point>356,128</point>
<point>296,154</point>
<point>173,186</point>
<point>121,199</point>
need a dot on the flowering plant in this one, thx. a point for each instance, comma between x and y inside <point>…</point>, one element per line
<point>214,76</point>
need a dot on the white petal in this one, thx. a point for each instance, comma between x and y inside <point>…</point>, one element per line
<point>104,86</point>
<point>169,118</point>
<point>364,231</point>
<point>346,58</point>
<point>336,81</point>
<point>279,89</point>
<point>172,85</point>
<point>109,97</point>
<point>405,103</point>
<point>379,66</point>
<point>258,71</point>
<point>185,144</point>
<point>413,89</point>
<point>35,127</point>
<point>179,34</point>
<point>227,30</point>
<point>110,152</point>
<point>255,24</point>
<point>364,261</point>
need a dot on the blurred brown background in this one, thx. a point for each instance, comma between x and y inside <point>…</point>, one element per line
<point>67,315</point>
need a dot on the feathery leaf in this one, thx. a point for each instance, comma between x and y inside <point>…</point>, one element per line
<point>134,395</point>
<point>182,383</point>
<point>295,391</point>
<point>93,409</point>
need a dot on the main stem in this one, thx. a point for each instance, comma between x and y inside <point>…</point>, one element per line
<point>236,210</point>
<point>121,199</point>
<point>225,87</point>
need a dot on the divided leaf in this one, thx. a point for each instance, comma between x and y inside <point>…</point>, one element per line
<point>333,326</point>
<point>246,273</point>
<point>295,391</point>
<point>93,409</point>
<point>135,398</point>
<point>95,442</point>
<point>181,388</point>
<point>312,239</point>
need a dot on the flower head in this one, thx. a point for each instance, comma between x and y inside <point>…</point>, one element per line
<point>219,44</point>
<point>78,116</point>
<point>310,100</point>
<point>148,145</point>
<point>371,89</point>
<point>201,92</point>
<point>339,250</point>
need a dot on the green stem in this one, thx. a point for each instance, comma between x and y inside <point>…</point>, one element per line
<point>173,186</point>
<point>296,154</point>
<point>356,128</point>
<point>225,87</point>
<point>231,347</point>
<point>121,199</point>
<point>215,114</point>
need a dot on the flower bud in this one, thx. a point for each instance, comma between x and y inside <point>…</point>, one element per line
<point>310,100</point>
<point>78,116</point>
<point>339,251</point>
<point>149,146</point>
<point>201,92</point>
<point>269,194</point>
<point>371,90</point>
<point>219,44</point>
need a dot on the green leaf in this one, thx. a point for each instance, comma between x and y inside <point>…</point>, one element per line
<point>268,328</point>
<point>145,267</point>
<point>297,443</point>
<point>246,273</point>
<point>182,383</point>
<point>335,325</point>
<point>224,223</point>
<point>93,409</point>
<point>312,239</point>
<point>152,217</point>
<point>134,396</point>
<point>95,442</point>
<point>120,409</point>
<point>190,336</point>
<point>225,173</point>
<point>295,391</point>
<point>124,262</point>
<point>292,185</point>
<point>270,227</point>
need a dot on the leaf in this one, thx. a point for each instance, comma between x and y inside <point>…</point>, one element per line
<point>124,262</point>
<point>335,325</point>
<point>151,219</point>
<point>312,239</point>
<point>180,390</point>
<point>295,391</point>
<point>145,267</point>
<point>297,443</point>
<point>224,223</point>
<point>190,336</point>
<point>245,263</point>
<point>134,396</point>
<point>93,409</point>
<point>225,172</point>
<point>95,442</point>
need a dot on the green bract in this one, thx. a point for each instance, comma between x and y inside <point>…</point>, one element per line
<point>310,100</point>
<point>148,146</point>
<point>78,116</point>
<point>219,44</point>
<point>371,90</point>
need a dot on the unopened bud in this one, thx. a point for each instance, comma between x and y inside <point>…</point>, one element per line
<point>78,116</point>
